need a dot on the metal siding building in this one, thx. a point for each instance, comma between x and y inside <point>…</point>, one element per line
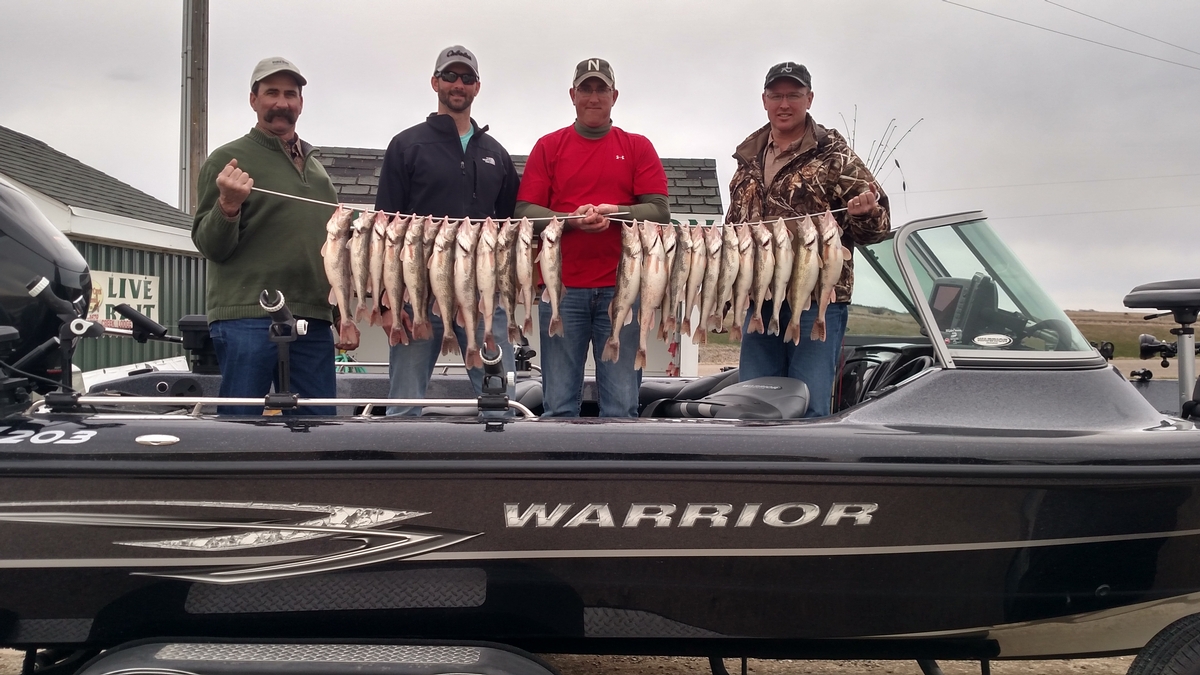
<point>181,292</point>
<point>118,229</point>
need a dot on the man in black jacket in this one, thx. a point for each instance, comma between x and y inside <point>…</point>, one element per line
<point>446,166</point>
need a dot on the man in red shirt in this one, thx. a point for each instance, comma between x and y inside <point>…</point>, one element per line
<point>589,171</point>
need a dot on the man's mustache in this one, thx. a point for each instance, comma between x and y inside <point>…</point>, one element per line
<point>285,113</point>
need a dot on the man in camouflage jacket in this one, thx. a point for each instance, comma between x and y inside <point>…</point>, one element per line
<point>792,167</point>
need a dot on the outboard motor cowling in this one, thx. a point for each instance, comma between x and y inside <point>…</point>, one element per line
<point>30,247</point>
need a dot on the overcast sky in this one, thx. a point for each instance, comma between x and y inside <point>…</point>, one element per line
<point>1086,159</point>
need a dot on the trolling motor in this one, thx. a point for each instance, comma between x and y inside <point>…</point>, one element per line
<point>284,330</point>
<point>1181,300</point>
<point>73,326</point>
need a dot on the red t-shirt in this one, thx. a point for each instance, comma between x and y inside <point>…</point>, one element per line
<point>566,170</point>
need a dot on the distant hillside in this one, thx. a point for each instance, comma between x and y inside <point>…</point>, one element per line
<point>1120,328</point>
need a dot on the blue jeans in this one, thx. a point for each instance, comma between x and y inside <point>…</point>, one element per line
<point>410,366</point>
<point>814,362</point>
<point>248,359</point>
<point>584,314</point>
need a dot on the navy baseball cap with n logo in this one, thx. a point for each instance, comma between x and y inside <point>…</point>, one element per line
<point>789,69</point>
<point>594,68</point>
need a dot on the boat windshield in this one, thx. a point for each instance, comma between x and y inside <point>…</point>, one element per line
<point>982,299</point>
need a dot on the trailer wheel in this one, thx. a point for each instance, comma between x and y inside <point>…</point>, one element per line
<point>1175,650</point>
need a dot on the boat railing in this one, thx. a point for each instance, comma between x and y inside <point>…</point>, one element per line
<point>445,367</point>
<point>198,403</point>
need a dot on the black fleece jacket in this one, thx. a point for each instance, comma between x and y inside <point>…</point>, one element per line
<point>427,173</point>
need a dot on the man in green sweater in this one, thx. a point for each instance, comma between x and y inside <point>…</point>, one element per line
<point>256,241</point>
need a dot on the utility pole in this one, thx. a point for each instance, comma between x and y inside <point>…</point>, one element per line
<point>193,141</point>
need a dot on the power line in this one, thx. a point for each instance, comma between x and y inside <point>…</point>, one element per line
<point>1058,32</point>
<point>1130,30</point>
<point>1089,213</point>
<point>1063,182</point>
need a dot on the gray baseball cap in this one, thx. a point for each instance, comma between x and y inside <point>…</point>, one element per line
<point>275,64</point>
<point>456,54</point>
<point>789,69</point>
<point>594,68</point>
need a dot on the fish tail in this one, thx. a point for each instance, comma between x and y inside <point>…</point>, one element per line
<point>556,327</point>
<point>639,361</point>
<point>397,335</point>
<point>474,359</point>
<point>818,330</point>
<point>792,334</point>
<point>612,350</point>
<point>735,332</point>
<point>528,328</point>
<point>514,333</point>
<point>449,343</point>
<point>700,337</point>
<point>773,326</point>
<point>756,324</point>
<point>422,330</point>
<point>687,326</point>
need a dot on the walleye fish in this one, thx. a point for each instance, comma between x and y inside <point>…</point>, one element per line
<point>744,281</point>
<point>730,262</point>
<point>485,280</point>
<point>764,270</point>
<point>466,289</point>
<point>392,279</point>
<point>379,227</point>
<point>550,260</point>
<point>524,267</point>
<point>360,260</point>
<point>429,232</point>
<point>670,239</point>
<point>416,278</point>
<point>805,270</point>
<point>677,286</point>
<point>336,254</point>
<point>709,289</point>
<point>629,283</point>
<point>441,280</point>
<point>654,283</point>
<point>781,238</point>
<point>506,275</point>
<point>699,258</point>
<point>832,256</point>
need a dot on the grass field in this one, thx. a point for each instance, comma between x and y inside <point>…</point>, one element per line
<point>1120,328</point>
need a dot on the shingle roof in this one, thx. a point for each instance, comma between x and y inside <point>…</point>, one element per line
<point>74,183</point>
<point>691,183</point>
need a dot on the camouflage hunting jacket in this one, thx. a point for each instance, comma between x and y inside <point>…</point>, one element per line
<point>824,174</point>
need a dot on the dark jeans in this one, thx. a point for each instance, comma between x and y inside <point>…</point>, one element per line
<point>814,362</point>
<point>248,362</point>
<point>584,314</point>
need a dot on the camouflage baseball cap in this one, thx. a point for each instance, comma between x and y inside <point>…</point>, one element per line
<point>594,68</point>
<point>789,69</point>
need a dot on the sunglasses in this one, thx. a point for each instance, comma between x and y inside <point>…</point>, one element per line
<point>451,76</point>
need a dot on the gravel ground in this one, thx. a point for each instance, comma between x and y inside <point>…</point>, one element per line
<point>631,665</point>
<point>570,664</point>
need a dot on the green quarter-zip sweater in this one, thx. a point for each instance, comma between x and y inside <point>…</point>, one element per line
<point>273,242</point>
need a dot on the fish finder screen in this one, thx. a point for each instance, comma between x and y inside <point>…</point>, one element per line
<point>944,302</point>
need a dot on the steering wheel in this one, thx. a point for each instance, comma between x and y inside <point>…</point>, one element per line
<point>1060,328</point>
<point>916,365</point>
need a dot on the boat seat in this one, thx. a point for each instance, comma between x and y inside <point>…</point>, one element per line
<point>654,390</point>
<point>1182,294</point>
<point>763,398</point>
